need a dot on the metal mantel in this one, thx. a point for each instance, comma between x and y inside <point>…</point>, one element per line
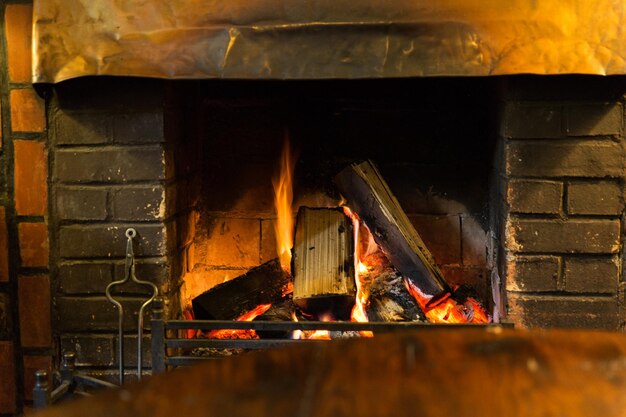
<point>320,39</point>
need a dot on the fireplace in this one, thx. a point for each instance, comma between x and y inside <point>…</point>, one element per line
<point>515,182</point>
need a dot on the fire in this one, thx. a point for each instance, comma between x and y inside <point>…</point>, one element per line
<point>312,335</point>
<point>283,199</point>
<point>237,333</point>
<point>448,310</point>
<point>358,311</point>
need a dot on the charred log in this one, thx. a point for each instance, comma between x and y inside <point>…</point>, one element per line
<point>264,284</point>
<point>323,262</point>
<point>371,198</point>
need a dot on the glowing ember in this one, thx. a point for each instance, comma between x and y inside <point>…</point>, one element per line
<point>238,333</point>
<point>448,310</point>
<point>283,198</point>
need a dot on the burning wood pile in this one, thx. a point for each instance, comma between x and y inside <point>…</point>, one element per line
<point>361,261</point>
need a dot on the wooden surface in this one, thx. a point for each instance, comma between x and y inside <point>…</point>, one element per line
<point>449,372</point>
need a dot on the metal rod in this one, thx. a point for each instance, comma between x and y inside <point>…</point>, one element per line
<point>234,343</point>
<point>316,325</point>
<point>130,233</point>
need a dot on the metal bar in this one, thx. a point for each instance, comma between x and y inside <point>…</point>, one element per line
<point>93,382</point>
<point>315,325</point>
<point>60,391</point>
<point>233,343</point>
<point>187,360</point>
<point>157,332</point>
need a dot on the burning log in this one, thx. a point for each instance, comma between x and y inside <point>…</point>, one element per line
<point>369,196</point>
<point>323,262</point>
<point>264,284</point>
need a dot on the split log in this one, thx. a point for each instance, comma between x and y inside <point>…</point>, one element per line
<point>323,261</point>
<point>264,284</point>
<point>370,197</point>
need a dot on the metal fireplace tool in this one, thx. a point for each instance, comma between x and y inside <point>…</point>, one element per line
<point>70,380</point>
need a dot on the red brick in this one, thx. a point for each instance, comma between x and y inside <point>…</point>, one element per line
<point>7,381</point>
<point>27,111</point>
<point>4,247</point>
<point>33,244</point>
<point>231,243</point>
<point>268,241</point>
<point>18,26</point>
<point>34,310</point>
<point>31,365</point>
<point>31,174</point>
<point>442,236</point>
<point>474,242</point>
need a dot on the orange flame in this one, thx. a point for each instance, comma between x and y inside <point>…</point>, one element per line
<point>283,199</point>
<point>239,333</point>
<point>358,311</point>
<point>448,310</point>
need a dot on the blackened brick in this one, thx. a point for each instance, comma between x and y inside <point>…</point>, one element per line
<point>82,128</point>
<point>84,278</point>
<point>80,203</point>
<point>139,203</point>
<point>591,119</point>
<point>110,165</point>
<point>591,275</point>
<point>155,271</point>
<point>535,196</point>
<point>568,312</point>
<point>6,321</point>
<point>586,158</point>
<point>601,197</point>
<point>138,128</point>
<point>557,236</point>
<point>96,241</point>
<point>80,314</point>
<point>90,350</point>
<point>532,120</point>
<point>130,351</point>
<point>442,236</point>
<point>533,273</point>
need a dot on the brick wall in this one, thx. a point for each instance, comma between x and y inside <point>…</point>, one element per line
<point>26,342</point>
<point>562,192</point>
<point>113,168</point>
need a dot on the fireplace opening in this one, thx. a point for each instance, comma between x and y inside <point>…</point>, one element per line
<point>433,141</point>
